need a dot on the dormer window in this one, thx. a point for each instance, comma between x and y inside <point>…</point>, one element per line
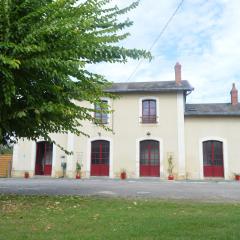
<point>149,111</point>
<point>100,115</point>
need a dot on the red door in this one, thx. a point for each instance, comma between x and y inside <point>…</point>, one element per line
<point>213,159</point>
<point>149,159</point>
<point>43,164</point>
<point>100,158</point>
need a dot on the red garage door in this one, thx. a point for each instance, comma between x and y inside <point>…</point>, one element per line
<point>213,159</point>
<point>43,164</point>
<point>100,158</point>
<point>149,158</point>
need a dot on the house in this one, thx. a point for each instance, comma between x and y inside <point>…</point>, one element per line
<point>151,123</point>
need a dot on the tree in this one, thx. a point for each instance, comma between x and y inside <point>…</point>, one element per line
<point>44,45</point>
<point>5,149</point>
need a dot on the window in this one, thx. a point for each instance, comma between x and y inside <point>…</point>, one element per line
<point>149,111</point>
<point>100,116</point>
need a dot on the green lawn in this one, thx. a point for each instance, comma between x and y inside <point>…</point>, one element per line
<point>42,217</point>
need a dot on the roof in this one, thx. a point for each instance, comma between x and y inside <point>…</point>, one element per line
<point>163,86</point>
<point>212,109</point>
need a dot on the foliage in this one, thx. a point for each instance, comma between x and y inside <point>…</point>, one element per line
<point>78,167</point>
<point>69,217</point>
<point>5,149</point>
<point>64,165</point>
<point>236,174</point>
<point>45,47</point>
<point>170,165</point>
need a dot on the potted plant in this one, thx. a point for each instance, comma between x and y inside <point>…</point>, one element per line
<point>123,174</point>
<point>78,170</point>
<point>64,167</point>
<point>26,174</point>
<point>170,168</point>
<point>237,176</point>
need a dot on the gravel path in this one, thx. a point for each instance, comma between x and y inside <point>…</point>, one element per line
<point>213,191</point>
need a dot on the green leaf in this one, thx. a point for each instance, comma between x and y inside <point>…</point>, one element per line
<point>46,44</point>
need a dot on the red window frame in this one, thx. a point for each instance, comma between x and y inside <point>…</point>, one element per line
<point>100,116</point>
<point>149,111</point>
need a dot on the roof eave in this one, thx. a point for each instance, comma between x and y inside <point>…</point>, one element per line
<point>149,90</point>
<point>212,114</point>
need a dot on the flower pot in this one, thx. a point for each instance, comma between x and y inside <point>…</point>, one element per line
<point>237,177</point>
<point>170,177</point>
<point>123,175</point>
<point>26,175</point>
<point>78,176</point>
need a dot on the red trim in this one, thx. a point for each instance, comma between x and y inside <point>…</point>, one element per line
<point>99,169</point>
<point>149,171</point>
<point>47,169</point>
<point>213,171</point>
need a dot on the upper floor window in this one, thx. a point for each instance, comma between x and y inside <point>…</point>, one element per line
<point>100,115</point>
<point>149,111</point>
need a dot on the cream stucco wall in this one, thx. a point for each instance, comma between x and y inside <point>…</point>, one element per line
<point>124,140</point>
<point>24,156</point>
<point>179,136</point>
<point>128,131</point>
<point>225,129</point>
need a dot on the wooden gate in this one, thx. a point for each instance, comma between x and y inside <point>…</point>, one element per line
<point>5,165</point>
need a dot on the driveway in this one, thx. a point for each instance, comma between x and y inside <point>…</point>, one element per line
<point>222,191</point>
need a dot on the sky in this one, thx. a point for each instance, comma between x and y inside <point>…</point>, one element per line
<point>204,37</point>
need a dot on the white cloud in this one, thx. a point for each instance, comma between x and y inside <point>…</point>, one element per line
<point>203,37</point>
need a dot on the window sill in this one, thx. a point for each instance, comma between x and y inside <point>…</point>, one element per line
<point>149,124</point>
<point>152,120</point>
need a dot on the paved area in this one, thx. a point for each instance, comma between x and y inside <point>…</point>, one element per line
<point>222,191</point>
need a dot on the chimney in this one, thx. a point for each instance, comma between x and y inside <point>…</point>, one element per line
<point>234,95</point>
<point>178,77</point>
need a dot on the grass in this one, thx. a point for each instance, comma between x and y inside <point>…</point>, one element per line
<point>68,218</point>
